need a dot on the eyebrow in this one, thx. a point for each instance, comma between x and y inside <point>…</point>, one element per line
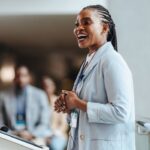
<point>84,19</point>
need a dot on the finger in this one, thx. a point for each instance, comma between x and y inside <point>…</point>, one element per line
<point>65,92</point>
<point>57,100</point>
<point>62,97</point>
<point>59,107</point>
<point>64,111</point>
<point>56,109</point>
<point>56,103</point>
<point>61,103</point>
<point>73,91</point>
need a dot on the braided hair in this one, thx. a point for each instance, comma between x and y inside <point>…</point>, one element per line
<point>106,18</point>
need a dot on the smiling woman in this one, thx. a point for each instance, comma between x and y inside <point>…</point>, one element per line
<point>101,106</point>
<point>97,23</point>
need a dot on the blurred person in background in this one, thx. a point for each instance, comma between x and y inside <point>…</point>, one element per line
<point>58,122</point>
<point>24,108</point>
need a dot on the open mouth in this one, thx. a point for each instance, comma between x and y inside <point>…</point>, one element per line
<point>81,37</point>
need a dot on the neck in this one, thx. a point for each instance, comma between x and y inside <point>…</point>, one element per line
<point>90,52</point>
<point>94,48</point>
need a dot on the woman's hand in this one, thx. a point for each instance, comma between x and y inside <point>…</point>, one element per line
<point>69,100</point>
<point>73,101</point>
<point>60,104</point>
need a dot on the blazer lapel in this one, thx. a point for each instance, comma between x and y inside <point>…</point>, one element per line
<point>78,76</point>
<point>95,60</point>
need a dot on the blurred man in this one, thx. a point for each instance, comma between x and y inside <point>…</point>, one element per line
<point>25,109</point>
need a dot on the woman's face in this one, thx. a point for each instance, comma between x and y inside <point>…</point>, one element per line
<point>89,31</point>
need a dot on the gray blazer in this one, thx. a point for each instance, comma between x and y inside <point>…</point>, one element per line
<point>109,121</point>
<point>37,111</point>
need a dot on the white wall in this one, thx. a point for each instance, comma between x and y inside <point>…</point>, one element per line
<point>132,18</point>
<point>30,7</point>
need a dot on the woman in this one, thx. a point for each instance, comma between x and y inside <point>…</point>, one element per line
<point>58,122</point>
<point>101,105</point>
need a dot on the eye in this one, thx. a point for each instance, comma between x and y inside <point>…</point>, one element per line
<point>86,22</point>
<point>76,24</point>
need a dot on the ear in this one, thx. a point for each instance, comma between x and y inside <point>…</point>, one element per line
<point>105,28</point>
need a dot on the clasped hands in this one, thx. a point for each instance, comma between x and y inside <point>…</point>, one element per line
<point>67,101</point>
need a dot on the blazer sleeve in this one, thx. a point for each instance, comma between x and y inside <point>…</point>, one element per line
<point>43,128</point>
<point>119,90</point>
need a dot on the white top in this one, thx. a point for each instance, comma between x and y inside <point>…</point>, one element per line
<point>89,57</point>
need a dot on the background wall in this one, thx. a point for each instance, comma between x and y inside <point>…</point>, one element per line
<point>44,6</point>
<point>133,26</point>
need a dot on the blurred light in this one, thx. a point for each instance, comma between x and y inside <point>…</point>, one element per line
<point>7,74</point>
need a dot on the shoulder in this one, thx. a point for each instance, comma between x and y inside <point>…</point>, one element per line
<point>107,55</point>
<point>37,94</point>
<point>35,90</point>
<point>7,91</point>
<point>113,59</point>
<point>6,94</point>
<point>112,56</point>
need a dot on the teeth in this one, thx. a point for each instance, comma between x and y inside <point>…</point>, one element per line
<point>81,36</point>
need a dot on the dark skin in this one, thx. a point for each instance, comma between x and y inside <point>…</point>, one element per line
<point>90,33</point>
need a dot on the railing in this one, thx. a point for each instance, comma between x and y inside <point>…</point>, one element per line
<point>142,135</point>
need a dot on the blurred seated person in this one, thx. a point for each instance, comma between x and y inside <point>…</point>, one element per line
<point>58,122</point>
<point>24,109</point>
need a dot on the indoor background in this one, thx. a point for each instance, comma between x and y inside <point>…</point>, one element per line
<point>39,34</point>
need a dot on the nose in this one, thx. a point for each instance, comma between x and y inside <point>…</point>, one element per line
<point>78,29</point>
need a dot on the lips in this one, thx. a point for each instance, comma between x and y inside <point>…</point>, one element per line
<point>81,37</point>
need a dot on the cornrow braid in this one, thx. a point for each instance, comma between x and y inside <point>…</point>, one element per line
<point>106,18</point>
